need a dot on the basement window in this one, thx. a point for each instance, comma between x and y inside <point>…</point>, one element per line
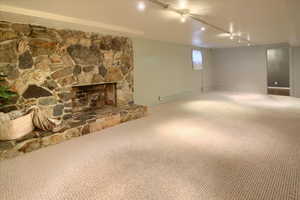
<point>197,59</point>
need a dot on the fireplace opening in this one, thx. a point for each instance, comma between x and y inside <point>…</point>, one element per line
<point>93,97</point>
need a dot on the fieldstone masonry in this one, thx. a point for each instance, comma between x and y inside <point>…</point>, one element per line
<point>44,64</point>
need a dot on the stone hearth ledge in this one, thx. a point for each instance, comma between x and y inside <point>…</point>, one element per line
<point>79,125</point>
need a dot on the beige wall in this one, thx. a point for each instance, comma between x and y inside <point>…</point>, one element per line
<point>240,69</point>
<point>165,69</point>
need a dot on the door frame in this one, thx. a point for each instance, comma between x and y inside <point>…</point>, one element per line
<point>290,66</point>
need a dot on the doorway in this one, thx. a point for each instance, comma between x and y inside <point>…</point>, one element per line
<point>278,70</point>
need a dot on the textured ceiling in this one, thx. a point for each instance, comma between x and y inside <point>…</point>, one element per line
<point>264,21</point>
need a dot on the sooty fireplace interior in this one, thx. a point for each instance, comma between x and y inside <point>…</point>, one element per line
<point>93,97</point>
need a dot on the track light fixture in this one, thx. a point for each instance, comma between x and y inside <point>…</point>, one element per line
<point>186,14</point>
<point>141,5</point>
<point>183,18</point>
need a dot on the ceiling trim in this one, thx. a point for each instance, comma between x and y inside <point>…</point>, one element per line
<point>67,19</point>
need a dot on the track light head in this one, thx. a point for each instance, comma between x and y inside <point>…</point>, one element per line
<point>183,18</point>
<point>141,6</point>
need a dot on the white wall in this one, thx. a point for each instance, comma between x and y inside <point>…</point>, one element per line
<point>295,65</point>
<point>165,69</point>
<point>245,69</point>
<point>241,69</point>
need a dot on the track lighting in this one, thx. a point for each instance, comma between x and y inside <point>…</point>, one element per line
<point>185,14</point>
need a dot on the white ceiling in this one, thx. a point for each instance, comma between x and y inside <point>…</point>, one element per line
<point>265,21</point>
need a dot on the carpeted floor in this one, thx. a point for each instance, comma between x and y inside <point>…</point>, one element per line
<point>210,147</point>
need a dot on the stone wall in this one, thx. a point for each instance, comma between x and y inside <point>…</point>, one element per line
<point>42,64</point>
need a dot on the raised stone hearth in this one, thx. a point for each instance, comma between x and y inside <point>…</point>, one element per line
<point>83,79</point>
<point>82,124</point>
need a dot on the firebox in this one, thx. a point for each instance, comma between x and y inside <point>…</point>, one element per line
<point>93,97</point>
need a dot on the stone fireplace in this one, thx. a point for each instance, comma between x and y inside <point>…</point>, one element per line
<point>93,97</point>
<point>83,79</point>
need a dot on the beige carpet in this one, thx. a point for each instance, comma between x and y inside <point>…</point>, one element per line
<point>211,147</point>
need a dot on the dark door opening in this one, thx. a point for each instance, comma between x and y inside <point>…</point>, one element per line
<point>278,71</point>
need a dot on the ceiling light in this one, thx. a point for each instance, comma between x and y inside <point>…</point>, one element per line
<point>141,6</point>
<point>203,28</point>
<point>231,37</point>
